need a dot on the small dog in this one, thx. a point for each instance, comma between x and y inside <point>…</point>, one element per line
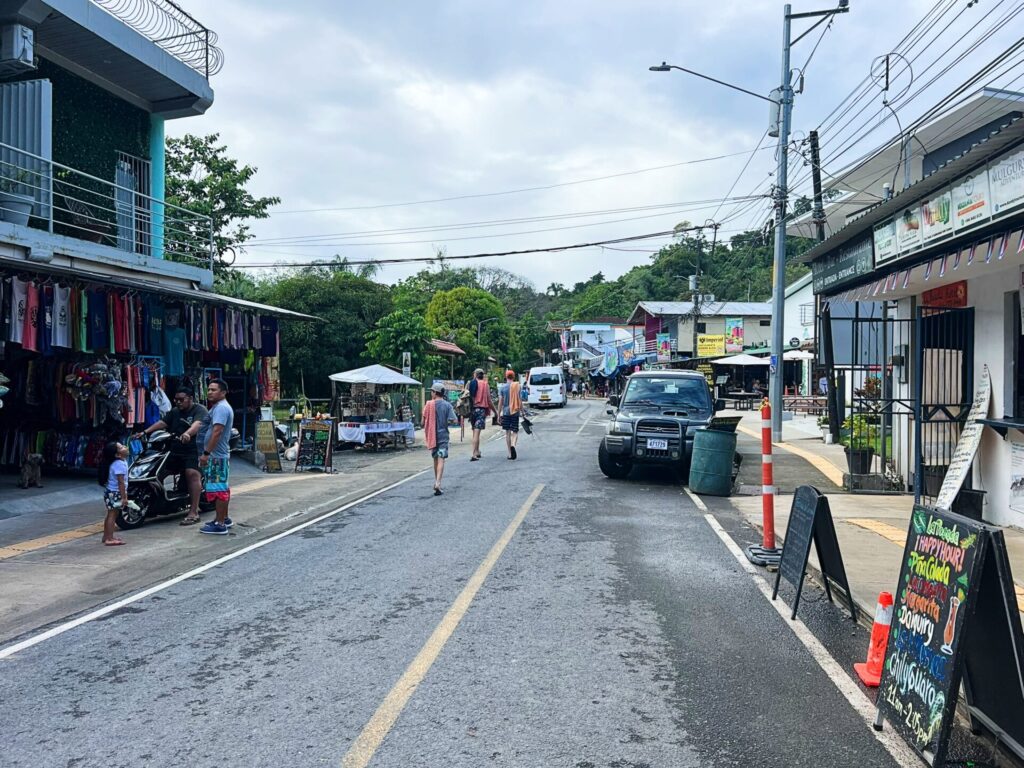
<point>32,471</point>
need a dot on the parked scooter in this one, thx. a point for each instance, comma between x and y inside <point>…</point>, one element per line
<point>155,490</point>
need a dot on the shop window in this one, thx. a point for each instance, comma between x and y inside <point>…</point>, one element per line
<point>702,327</point>
<point>764,323</point>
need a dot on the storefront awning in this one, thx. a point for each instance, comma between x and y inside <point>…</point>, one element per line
<point>153,286</point>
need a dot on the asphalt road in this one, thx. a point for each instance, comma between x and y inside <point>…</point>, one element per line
<point>613,629</point>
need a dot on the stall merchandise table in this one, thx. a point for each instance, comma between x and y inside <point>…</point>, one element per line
<point>371,432</point>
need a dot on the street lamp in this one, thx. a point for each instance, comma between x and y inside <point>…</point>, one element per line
<point>782,110</point>
<point>480,325</point>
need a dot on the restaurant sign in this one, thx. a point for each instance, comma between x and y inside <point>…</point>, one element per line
<point>844,265</point>
<point>885,241</point>
<point>710,344</point>
<point>953,295</point>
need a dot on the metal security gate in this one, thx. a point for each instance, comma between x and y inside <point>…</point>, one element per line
<point>944,386</point>
<point>878,425</point>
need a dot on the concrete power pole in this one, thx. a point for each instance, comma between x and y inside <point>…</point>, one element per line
<point>779,265</point>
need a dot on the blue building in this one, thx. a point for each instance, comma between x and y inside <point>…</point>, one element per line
<point>103,280</point>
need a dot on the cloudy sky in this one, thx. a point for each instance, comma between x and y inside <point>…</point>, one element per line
<point>361,116</point>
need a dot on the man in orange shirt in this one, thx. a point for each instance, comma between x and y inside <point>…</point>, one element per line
<point>483,406</point>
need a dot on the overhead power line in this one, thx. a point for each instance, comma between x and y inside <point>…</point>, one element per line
<point>539,188</point>
<point>427,259</point>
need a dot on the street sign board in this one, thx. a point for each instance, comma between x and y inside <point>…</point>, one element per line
<point>315,445</point>
<point>811,518</point>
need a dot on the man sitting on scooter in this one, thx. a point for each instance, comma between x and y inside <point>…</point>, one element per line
<point>184,421</point>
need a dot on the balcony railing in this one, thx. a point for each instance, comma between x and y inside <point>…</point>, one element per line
<point>50,196</point>
<point>652,345</point>
<point>173,29</point>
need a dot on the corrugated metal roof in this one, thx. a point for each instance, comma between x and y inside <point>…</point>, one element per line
<point>977,155</point>
<point>711,309</point>
<point>446,346</point>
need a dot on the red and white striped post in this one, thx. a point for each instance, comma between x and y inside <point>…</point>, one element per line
<point>767,553</point>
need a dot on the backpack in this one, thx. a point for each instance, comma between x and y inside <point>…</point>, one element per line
<point>464,405</point>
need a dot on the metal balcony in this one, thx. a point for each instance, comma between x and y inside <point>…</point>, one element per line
<point>39,194</point>
<point>173,29</point>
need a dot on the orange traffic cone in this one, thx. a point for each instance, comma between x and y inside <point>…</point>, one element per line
<point>870,672</point>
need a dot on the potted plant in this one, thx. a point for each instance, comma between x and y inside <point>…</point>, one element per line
<point>826,432</point>
<point>860,448</point>
<point>15,207</point>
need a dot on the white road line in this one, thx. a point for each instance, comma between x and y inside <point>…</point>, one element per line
<point>60,629</point>
<point>889,739</point>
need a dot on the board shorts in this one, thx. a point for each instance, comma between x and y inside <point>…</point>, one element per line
<point>479,418</point>
<point>216,477</point>
<point>510,422</point>
<point>112,500</point>
<point>440,452</point>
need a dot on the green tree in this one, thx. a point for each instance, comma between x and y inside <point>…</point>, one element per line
<point>470,313</point>
<point>401,331</point>
<point>202,178</point>
<point>350,307</point>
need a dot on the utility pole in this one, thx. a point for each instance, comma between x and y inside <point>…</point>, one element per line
<point>779,266</point>
<point>824,315</point>
<point>695,312</point>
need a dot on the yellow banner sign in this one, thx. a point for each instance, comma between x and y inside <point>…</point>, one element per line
<point>710,344</point>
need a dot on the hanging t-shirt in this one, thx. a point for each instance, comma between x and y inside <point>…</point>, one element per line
<point>268,336</point>
<point>46,319</point>
<point>119,324</point>
<point>30,337</point>
<point>196,330</point>
<point>174,351</point>
<point>84,331</point>
<point>155,310</point>
<point>61,331</point>
<point>99,327</point>
<point>19,291</point>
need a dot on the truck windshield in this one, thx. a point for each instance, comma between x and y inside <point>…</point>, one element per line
<point>677,392</point>
<point>545,379</point>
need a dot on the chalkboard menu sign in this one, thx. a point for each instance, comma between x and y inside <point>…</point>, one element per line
<point>810,519</point>
<point>315,445</point>
<point>937,592</point>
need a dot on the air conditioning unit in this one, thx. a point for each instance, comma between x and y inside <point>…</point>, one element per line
<point>17,49</point>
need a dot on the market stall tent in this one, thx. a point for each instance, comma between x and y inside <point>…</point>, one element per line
<point>740,360</point>
<point>373,374</point>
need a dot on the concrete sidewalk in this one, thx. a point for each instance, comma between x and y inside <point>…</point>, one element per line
<point>871,528</point>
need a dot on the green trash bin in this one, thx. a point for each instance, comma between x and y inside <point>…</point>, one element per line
<point>711,462</point>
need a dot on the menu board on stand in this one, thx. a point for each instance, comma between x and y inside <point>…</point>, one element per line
<point>316,444</point>
<point>955,619</point>
<point>266,444</point>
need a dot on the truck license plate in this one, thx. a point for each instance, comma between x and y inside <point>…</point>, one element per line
<point>545,397</point>
<point>657,445</point>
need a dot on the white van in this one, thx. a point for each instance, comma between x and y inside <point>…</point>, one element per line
<point>547,386</point>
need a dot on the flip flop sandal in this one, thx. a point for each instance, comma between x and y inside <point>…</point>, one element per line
<point>190,521</point>
<point>113,543</point>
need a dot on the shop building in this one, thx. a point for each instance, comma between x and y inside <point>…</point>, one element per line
<point>935,276</point>
<point>717,327</point>
<point>106,287</point>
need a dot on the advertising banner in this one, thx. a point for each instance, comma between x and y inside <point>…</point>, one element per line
<point>885,241</point>
<point>664,342</point>
<point>710,344</point>
<point>936,215</point>
<point>908,229</point>
<point>971,201</point>
<point>733,334</point>
<point>848,263</point>
<point>1006,179</point>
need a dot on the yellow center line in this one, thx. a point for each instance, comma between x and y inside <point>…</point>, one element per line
<point>375,731</point>
<point>823,465</point>
<point>20,548</point>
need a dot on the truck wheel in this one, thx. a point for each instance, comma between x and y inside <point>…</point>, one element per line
<point>612,466</point>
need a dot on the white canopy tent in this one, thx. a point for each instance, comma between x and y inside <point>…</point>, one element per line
<point>740,360</point>
<point>373,374</point>
<point>797,355</point>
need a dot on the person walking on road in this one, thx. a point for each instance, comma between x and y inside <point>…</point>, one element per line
<point>510,404</point>
<point>183,421</point>
<point>483,405</point>
<point>215,461</point>
<point>113,476</point>
<point>437,415</point>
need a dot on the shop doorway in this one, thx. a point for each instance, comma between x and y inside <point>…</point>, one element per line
<point>879,404</point>
<point>944,389</point>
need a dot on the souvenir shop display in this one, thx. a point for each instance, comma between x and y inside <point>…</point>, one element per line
<point>364,407</point>
<point>82,364</point>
